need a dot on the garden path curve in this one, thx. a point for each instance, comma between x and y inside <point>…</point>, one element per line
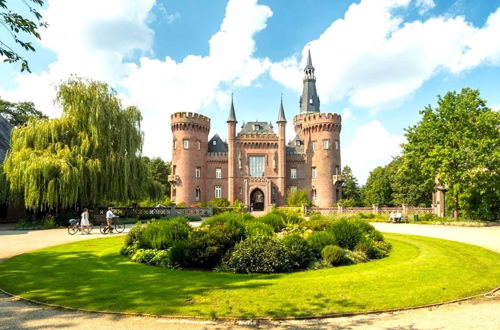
<point>476,314</point>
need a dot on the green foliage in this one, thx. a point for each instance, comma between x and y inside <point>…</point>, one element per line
<point>316,223</point>
<point>259,254</point>
<point>377,190</point>
<point>297,198</point>
<point>18,114</point>
<point>87,156</point>
<point>134,234</point>
<point>144,256</point>
<point>4,186</point>
<point>372,249</point>
<point>457,143</point>
<point>159,171</point>
<point>256,228</point>
<point>161,234</point>
<point>319,239</point>
<point>16,24</point>
<point>216,202</point>
<point>275,220</point>
<point>334,255</point>
<point>289,216</point>
<point>351,193</point>
<point>232,218</point>
<point>347,233</point>
<point>299,252</point>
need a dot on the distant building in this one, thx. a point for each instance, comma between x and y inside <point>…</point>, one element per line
<point>255,165</point>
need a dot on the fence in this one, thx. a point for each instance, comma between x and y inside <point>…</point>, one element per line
<point>139,212</point>
<point>374,209</point>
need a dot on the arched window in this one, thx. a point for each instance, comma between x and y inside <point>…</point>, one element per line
<point>314,195</point>
<point>197,194</point>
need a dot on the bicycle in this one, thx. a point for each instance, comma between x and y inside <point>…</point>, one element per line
<point>116,225</point>
<point>74,227</point>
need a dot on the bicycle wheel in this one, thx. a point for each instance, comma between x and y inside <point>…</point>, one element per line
<point>103,228</point>
<point>88,229</point>
<point>119,227</point>
<point>72,229</point>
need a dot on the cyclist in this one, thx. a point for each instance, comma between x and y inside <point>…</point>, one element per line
<point>109,219</point>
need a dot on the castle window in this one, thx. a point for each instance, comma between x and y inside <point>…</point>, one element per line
<point>174,144</point>
<point>326,144</point>
<point>185,143</point>
<point>257,127</point>
<point>310,101</point>
<point>218,191</point>
<point>293,173</point>
<point>198,145</point>
<point>313,173</point>
<point>197,194</point>
<point>218,173</point>
<point>314,194</point>
<point>197,173</point>
<point>314,145</point>
<point>298,143</point>
<point>173,169</point>
<point>214,142</point>
<point>337,170</point>
<point>256,164</point>
<point>336,144</point>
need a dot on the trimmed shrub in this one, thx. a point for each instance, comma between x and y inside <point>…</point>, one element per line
<point>290,216</point>
<point>376,236</point>
<point>373,250</point>
<point>259,254</point>
<point>161,258</point>
<point>334,255</point>
<point>177,254</point>
<point>255,228</point>
<point>299,252</point>
<point>316,224</point>
<point>161,234</point>
<point>144,256</point>
<point>274,220</point>
<point>231,218</point>
<point>347,234</point>
<point>362,225</point>
<point>134,234</point>
<point>355,257</point>
<point>128,250</point>
<point>318,240</point>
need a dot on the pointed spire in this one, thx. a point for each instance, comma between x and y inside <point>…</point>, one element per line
<point>281,114</point>
<point>309,64</point>
<point>232,115</point>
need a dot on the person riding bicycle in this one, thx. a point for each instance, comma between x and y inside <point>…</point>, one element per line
<point>109,218</point>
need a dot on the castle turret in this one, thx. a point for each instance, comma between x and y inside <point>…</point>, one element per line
<point>281,153</point>
<point>309,100</point>
<point>189,157</point>
<point>231,153</point>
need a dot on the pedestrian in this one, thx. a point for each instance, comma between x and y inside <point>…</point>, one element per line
<point>84,223</point>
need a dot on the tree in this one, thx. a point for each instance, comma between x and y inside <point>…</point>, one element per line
<point>90,155</point>
<point>377,190</point>
<point>159,170</point>
<point>351,193</point>
<point>458,143</point>
<point>297,198</point>
<point>16,24</point>
<point>18,114</point>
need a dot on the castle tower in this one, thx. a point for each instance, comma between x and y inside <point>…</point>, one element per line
<point>309,101</point>
<point>231,153</point>
<point>189,157</point>
<point>281,153</point>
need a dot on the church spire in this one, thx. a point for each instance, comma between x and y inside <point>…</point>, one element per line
<point>309,101</point>
<point>232,115</point>
<point>281,114</point>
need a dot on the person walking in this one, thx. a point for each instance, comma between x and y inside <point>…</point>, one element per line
<point>109,219</point>
<point>84,223</point>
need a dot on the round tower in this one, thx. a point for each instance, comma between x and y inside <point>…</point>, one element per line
<point>321,135</point>
<point>189,157</point>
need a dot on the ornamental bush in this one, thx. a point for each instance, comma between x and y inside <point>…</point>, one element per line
<point>299,252</point>
<point>347,234</point>
<point>134,234</point>
<point>144,256</point>
<point>259,254</point>
<point>255,228</point>
<point>161,234</point>
<point>334,255</point>
<point>319,239</point>
<point>373,250</point>
<point>316,223</point>
<point>275,220</point>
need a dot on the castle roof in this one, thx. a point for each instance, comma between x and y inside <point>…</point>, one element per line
<point>216,144</point>
<point>5,128</point>
<point>259,127</point>
<point>281,114</point>
<point>296,146</point>
<point>232,116</point>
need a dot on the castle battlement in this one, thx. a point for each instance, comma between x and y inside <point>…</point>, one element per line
<point>189,121</point>
<point>317,116</point>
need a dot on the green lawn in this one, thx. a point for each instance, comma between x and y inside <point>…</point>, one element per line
<point>93,275</point>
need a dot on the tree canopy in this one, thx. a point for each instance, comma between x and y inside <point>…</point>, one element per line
<point>351,192</point>
<point>18,114</point>
<point>88,156</point>
<point>377,190</point>
<point>19,28</point>
<point>458,143</point>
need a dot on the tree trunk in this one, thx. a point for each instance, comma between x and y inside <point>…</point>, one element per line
<point>456,207</point>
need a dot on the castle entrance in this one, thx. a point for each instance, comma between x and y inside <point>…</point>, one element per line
<point>257,200</point>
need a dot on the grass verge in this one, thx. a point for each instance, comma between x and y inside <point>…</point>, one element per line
<point>93,275</point>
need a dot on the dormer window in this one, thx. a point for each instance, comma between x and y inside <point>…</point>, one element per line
<point>298,143</point>
<point>257,127</point>
<point>214,142</point>
<point>310,101</point>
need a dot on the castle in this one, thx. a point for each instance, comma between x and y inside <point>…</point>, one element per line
<point>256,166</point>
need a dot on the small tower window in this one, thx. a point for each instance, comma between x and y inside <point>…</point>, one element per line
<point>197,173</point>
<point>337,170</point>
<point>313,173</point>
<point>185,143</point>
<point>218,173</point>
<point>310,101</point>
<point>314,146</point>
<point>198,145</point>
<point>293,173</point>
<point>257,127</point>
<point>314,194</point>
<point>174,144</point>
<point>326,144</point>
<point>174,168</point>
<point>336,144</point>
<point>197,194</point>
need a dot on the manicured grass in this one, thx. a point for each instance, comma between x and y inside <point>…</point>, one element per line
<point>93,275</point>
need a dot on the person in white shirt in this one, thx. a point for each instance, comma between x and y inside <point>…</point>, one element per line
<point>392,216</point>
<point>109,219</point>
<point>84,223</point>
<point>398,216</point>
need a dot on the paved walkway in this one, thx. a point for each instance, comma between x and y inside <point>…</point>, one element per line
<point>478,314</point>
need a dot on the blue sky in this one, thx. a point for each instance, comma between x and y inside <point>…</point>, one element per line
<point>378,62</point>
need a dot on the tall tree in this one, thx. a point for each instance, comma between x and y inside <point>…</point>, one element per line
<point>19,29</point>
<point>351,193</point>
<point>377,190</point>
<point>159,170</point>
<point>18,114</point>
<point>88,156</point>
<point>458,143</point>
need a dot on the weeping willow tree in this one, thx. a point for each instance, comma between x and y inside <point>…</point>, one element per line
<point>88,156</point>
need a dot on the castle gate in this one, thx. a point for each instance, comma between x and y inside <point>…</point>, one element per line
<point>257,200</point>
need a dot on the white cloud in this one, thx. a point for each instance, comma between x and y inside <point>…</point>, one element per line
<point>375,59</point>
<point>425,5</point>
<point>371,146</point>
<point>346,114</point>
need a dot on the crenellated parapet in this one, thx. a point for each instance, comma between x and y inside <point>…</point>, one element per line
<point>317,121</point>
<point>217,157</point>
<point>189,121</point>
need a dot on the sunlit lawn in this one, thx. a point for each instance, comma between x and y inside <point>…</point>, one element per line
<point>93,275</point>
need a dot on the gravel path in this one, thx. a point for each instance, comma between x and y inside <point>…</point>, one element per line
<point>476,314</point>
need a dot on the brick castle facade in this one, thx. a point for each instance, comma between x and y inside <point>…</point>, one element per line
<point>256,166</point>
